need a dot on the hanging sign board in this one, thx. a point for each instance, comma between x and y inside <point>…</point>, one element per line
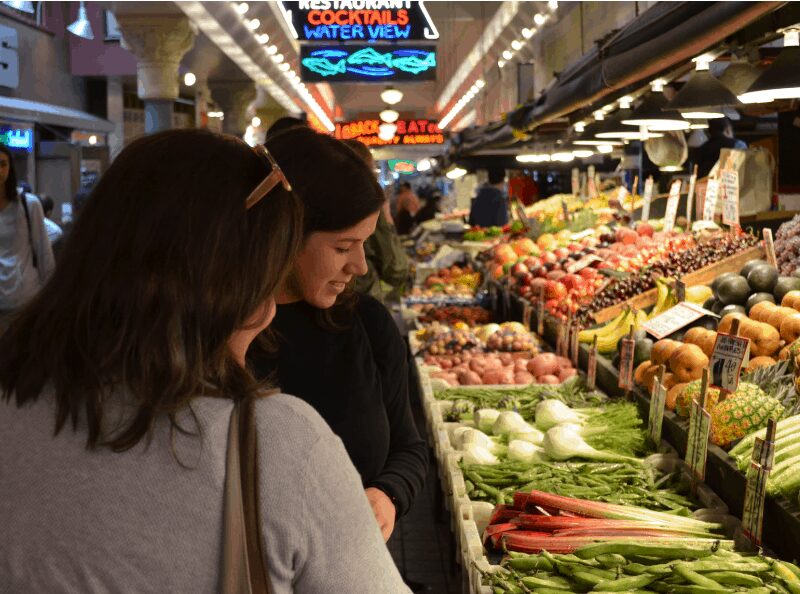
<point>672,205</point>
<point>648,197</point>
<point>730,201</point>
<point>409,132</point>
<point>359,20</point>
<point>367,63</point>
<point>402,166</point>
<point>710,203</point>
<point>16,137</point>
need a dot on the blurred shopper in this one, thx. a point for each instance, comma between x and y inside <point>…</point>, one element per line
<point>340,351</point>
<point>135,352</point>
<point>407,207</point>
<point>490,206</point>
<point>26,256</point>
<point>54,231</point>
<point>432,206</point>
<point>386,258</point>
<point>285,123</point>
<point>720,136</point>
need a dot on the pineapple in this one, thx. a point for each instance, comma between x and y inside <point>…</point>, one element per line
<point>741,413</point>
<point>683,404</point>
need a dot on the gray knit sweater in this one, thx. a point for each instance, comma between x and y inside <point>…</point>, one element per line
<point>73,520</point>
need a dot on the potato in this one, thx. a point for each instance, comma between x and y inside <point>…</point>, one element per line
<point>693,335</point>
<point>469,378</point>
<point>764,339</point>
<point>548,379</point>
<point>543,364</point>
<point>566,372</point>
<point>523,377</point>
<point>687,362</point>
<point>776,317</point>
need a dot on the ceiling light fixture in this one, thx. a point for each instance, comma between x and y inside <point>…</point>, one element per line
<point>501,63</point>
<point>699,125</point>
<point>516,45</point>
<point>255,122</point>
<point>480,83</point>
<point>81,27</point>
<point>391,96</point>
<point>533,158</point>
<point>262,38</point>
<point>272,50</point>
<point>562,156</point>
<point>527,33</point>
<point>189,79</point>
<point>782,79</point>
<point>284,67</point>
<point>539,19</point>
<point>605,149</point>
<point>552,4</point>
<point>389,116</point>
<point>507,55</point>
<point>277,58</point>
<point>423,165</point>
<point>455,173</point>
<point>651,114</point>
<point>242,8</point>
<point>386,132</point>
<point>614,128</point>
<point>253,24</point>
<point>703,96</point>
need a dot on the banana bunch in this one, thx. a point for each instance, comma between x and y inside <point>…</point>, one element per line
<point>609,335</point>
<point>665,297</point>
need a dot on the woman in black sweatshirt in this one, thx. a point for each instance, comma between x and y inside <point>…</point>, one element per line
<point>339,351</point>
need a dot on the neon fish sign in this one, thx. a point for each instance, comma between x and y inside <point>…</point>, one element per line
<point>363,64</point>
<point>366,20</point>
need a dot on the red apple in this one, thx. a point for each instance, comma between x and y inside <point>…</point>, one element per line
<point>549,257</point>
<point>561,253</point>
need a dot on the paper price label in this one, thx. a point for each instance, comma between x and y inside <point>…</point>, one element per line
<point>764,453</point>
<point>672,205</point>
<point>576,181</point>
<point>583,186</point>
<point>730,202</point>
<point>648,197</point>
<point>540,313</point>
<point>730,354</point>
<point>527,310</point>
<point>710,203</point>
<point>591,369</point>
<point>655,419</point>
<point>769,245</point>
<point>626,364</point>
<point>754,496</point>
<point>674,319</point>
<point>697,442</point>
<point>690,197</point>
<point>622,194</point>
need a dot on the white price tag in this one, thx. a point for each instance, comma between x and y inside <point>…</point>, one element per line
<point>592,182</point>
<point>622,193</point>
<point>730,203</point>
<point>648,197</point>
<point>730,354</point>
<point>672,205</point>
<point>710,203</point>
<point>674,319</point>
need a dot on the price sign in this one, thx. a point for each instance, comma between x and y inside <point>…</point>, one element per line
<point>756,489</point>
<point>540,313</point>
<point>626,363</point>
<point>710,204</point>
<point>527,310</point>
<point>730,354</point>
<point>674,319</point>
<point>591,369</point>
<point>592,182</point>
<point>672,205</point>
<point>730,202</point>
<point>648,197</point>
<point>576,181</point>
<point>655,420</point>
<point>573,345</point>
<point>578,265</point>
<point>697,443</point>
<point>769,245</point>
<point>690,197</point>
<point>622,193</point>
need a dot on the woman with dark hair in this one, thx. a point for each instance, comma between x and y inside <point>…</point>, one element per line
<point>134,352</point>
<point>26,256</point>
<point>339,351</point>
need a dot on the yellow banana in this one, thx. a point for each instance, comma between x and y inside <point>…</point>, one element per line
<point>608,328</point>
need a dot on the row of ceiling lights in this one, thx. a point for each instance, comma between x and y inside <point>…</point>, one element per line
<point>253,24</point>
<point>539,19</point>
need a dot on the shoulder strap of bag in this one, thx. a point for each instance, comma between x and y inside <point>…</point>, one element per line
<point>243,568</point>
<point>24,199</point>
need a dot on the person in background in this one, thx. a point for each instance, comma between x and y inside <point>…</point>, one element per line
<point>54,232</point>
<point>26,256</point>
<point>490,205</point>
<point>432,206</point>
<point>338,350</point>
<point>407,207</point>
<point>386,258</point>
<point>720,136</point>
<point>118,386</point>
<point>285,123</point>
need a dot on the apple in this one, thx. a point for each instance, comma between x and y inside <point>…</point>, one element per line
<point>572,281</point>
<point>549,257</point>
<point>561,253</point>
<point>519,269</point>
<point>539,271</point>
<point>532,262</point>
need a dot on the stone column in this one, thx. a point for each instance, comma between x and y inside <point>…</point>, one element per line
<point>116,115</point>
<point>159,43</point>
<point>234,98</point>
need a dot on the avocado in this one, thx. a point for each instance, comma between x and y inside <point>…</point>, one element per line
<point>709,304</point>
<point>639,334</point>
<point>641,350</point>
<point>734,290</point>
<point>758,298</point>
<point>784,285</point>
<point>717,307</point>
<point>731,309</point>
<point>750,265</point>
<point>708,322</point>
<point>716,282</point>
<point>762,278</point>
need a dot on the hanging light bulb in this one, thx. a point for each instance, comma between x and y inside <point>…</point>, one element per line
<point>262,38</point>
<point>242,8</point>
<point>507,55</point>
<point>284,67</point>
<point>277,58</point>
<point>189,79</point>
<point>516,45</point>
<point>423,165</point>
<point>391,96</point>
<point>552,4</point>
<point>272,50</point>
<point>387,131</point>
<point>703,96</point>
<point>605,148</point>
<point>527,33</point>
<point>782,79</point>
<point>389,116</point>
<point>539,19</point>
<point>455,173</point>
<point>255,122</point>
<point>253,24</point>
<point>501,63</point>
<point>480,83</point>
<point>579,127</point>
<point>652,113</point>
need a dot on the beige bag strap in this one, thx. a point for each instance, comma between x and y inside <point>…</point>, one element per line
<point>243,567</point>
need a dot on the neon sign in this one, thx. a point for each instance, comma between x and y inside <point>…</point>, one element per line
<point>377,63</point>
<point>409,132</point>
<point>17,138</point>
<point>402,166</point>
<point>353,20</point>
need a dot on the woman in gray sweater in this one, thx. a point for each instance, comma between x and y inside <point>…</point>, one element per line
<point>118,380</point>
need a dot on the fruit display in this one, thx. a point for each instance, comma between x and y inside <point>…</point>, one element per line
<point>490,233</point>
<point>521,368</point>
<point>454,280</point>
<point>787,246</point>
<point>450,314</point>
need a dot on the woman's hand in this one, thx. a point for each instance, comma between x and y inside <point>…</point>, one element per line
<point>384,510</point>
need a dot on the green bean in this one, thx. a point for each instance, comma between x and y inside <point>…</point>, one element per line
<point>546,590</point>
<point>536,582</point>
<point>586,578</point>
<point>693,589</point>
<point>611,560</point>
<point>625,584</point>
<point>741,567</point>
<point>677,551</point>
<point>530,563</point>
<point>692,576</point>
<point>735,578</point>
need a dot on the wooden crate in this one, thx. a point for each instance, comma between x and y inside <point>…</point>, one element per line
<point>703,276</point>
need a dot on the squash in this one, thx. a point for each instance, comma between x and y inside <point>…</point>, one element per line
<point>694,335</point>
<point>775,319</point>
<point>662,350</point>
<point>764,339</point>
<point>726,322</point>
<point>687,362</point>
<point>790,327</point>
<point>757,362</point>
<point>791,299</point>
<point>706,342</point>
<point>760,311</point>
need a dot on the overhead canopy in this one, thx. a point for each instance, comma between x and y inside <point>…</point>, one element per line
<point>666,35</point>
<point>55,115</point>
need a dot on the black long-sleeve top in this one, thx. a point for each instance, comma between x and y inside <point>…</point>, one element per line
<point>357,379</point>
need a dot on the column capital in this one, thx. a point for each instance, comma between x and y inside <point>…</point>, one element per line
<point>234,98</point>
<point>159,43</point>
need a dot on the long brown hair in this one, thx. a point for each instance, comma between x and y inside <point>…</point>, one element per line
<point>161,268</point>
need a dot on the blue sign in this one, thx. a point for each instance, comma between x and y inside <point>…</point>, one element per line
<point>16,138</point>
<point>372,63</point>
<point>353,20</point>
